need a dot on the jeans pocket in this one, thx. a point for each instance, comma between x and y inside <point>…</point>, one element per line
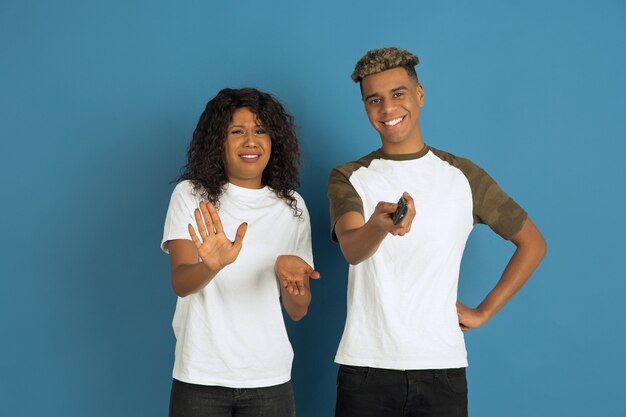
<point>455,380</point>
<point>351,377</point>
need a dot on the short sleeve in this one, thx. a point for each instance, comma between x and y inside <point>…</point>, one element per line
<point>304,247</point>
<point>179,214</point>
<point>342,197</point>
<point>493,207</point>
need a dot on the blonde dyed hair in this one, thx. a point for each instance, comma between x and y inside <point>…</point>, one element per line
<point>379,60</point>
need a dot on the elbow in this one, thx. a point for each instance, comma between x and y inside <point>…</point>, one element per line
<point>298,315</point>
<point>180,293</point>
<point>540,246</point>
<point>536,250</point>
<point>356,260</point>
<point>544,246</point>
<point>543,249</point>
<point>351,258</point>
<point>531,241</point>
<point>179,290</point>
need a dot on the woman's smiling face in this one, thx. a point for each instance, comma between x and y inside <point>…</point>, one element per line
<point>247,149</point>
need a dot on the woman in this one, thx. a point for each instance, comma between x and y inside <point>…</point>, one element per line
<point>233,356</point>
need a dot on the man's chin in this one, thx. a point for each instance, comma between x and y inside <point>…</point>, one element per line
<point>392,139</point>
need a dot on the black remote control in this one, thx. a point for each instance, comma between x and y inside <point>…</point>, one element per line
<point>400,212</point>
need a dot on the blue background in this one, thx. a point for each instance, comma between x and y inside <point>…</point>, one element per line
<point>98,101</point>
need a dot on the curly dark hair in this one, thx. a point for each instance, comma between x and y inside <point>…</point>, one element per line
<point>205,158</point>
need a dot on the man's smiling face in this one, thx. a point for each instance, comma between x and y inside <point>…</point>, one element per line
<point>392,101</point>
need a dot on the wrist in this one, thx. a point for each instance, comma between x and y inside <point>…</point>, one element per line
<point>210,271</point>
<point>281,265</point>
<point>375,227</point>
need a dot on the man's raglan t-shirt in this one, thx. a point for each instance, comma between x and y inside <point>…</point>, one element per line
<point>232,332</point>
<point>402,300</point>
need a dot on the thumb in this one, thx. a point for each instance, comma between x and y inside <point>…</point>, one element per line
<point>385,207</point>
<point>241,232</point>
<point>315,275</point>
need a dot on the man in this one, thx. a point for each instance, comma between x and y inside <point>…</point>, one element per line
<point>402,352</point>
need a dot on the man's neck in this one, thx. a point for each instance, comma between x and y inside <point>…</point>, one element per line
<point>404,147</point>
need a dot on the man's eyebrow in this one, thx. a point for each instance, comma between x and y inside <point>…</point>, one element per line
<point>370,96</point>
<point>393,90</point>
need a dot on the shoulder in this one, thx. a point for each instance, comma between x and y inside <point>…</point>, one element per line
<point>186,192</point>
<point>298,197</point>
<point>468,167</point>
<point>451,158</point>
<point>184,187</point>
<point>348,168</point>
<point>189,189</point>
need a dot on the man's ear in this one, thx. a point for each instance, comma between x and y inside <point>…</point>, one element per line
<point>420,94</point>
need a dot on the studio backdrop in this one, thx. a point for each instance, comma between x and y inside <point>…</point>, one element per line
<point>98,102</point>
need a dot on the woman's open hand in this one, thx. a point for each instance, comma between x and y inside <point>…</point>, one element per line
<point>214,248</point>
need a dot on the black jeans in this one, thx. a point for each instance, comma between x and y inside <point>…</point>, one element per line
<point>190,400</point>
<point>373,392</point>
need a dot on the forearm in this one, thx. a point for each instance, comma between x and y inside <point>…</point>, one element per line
<point>523,263</point>
<point>191,278</point>
<point>361,243</point>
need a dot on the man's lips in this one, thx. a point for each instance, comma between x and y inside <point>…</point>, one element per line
<point>391,123</point>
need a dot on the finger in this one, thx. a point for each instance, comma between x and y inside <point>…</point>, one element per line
<point>408,198</point>
<point>306,268</point>
<point>215,218</point>
<point>401,228</point>
<point>315,275</point>
<point>241,232</point>
<point>300,288</point>
<point>193,235</point>
<point>207,218</point>
<point>410,203</point>
<point>200,223</point>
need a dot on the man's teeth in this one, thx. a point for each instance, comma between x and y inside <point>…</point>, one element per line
<point>393,122</point>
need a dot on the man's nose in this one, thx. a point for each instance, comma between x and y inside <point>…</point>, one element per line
<point>388,106</point>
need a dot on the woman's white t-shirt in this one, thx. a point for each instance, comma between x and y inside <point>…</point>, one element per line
<point>232,332</point>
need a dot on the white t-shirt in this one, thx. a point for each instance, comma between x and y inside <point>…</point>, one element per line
<point>232,332</point>
<point>402,300</point>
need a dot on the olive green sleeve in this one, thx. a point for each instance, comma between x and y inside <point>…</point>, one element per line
<point>342,197</point>
<point>491,205</point>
